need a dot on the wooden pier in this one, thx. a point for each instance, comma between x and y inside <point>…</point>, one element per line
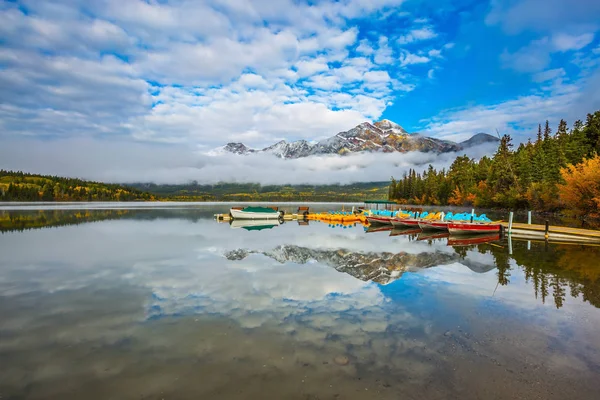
<point>533,231</point>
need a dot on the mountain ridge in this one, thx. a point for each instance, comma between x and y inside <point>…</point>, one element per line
<point>382,136</point>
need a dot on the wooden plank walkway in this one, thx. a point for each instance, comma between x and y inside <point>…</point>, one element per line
<point>563,230</point>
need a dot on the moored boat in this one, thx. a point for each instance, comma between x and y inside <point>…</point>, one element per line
<point>405,222</point>
<point>473,228</point>
<point>379,219</point>
<point>254,213</point>
<point>434,225</point>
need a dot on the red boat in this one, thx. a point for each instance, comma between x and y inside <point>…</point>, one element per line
<point>472,227</point>
<point>402,222</point>
<point>434,225</point>
<point>379,220</point>
<point>466,241</point>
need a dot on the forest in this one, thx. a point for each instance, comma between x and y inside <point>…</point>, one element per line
<point>555,171</point>
<point>20,186</point>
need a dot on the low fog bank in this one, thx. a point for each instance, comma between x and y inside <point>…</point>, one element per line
<point>126,162</point>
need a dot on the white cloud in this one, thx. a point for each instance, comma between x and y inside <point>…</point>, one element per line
<point>417,35</point>
<point>124,161</point>
<point>324,82</point>
<point>434,53</point>
<point>531,58</point>
<point>549,75</point>
<point>542,15</point>
<point>538,53</point>
<point>408,58</point>
<point>384,53</point>
<point>311,67</point>
<point>255,61</point>
<point>566,42</point>
<point>365,48</point>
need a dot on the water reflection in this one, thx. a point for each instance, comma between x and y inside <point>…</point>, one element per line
<point>146,302</point>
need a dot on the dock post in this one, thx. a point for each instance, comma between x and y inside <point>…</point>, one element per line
<point>529,217</point>
<point>510,222</point>
<point>472,214</point>
<point>547,229</point>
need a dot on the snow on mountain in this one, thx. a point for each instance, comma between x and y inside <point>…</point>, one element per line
<point>380,267</point>
<point>382,136</point>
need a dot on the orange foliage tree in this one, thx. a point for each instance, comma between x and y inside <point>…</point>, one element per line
<point>581,190</point>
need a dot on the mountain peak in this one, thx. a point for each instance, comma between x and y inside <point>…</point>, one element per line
<point>384,136</point>
<point>479,138</point>
<point>237,148</point>
<point>390,127</point>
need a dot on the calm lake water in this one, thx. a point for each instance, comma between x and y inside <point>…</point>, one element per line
<point>154,303</point>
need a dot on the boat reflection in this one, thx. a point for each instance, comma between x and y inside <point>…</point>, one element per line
<point>432,235</point>
<point>471,240</point>
<point>378,228</point>
<point>253,225</point>
<point>411,232</point>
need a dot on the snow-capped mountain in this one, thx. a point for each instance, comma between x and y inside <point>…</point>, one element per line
<point>382,136</point>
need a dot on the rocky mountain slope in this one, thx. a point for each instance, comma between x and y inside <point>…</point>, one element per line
<point>382,136</point>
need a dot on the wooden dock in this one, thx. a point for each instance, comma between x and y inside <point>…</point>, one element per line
<point>533,231</point>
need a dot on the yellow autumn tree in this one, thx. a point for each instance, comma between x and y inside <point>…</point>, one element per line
<point>581,191</point>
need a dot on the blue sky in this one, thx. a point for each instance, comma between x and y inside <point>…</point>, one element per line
<point>203,73</point>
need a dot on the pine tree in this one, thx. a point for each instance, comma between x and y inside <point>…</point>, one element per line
<point>562,129</point>
<point>592,133</point>
<point>547,131</point>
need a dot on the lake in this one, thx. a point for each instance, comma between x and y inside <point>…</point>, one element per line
<point>150,302</point>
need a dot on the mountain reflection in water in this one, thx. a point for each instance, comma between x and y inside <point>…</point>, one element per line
<point>168,303</point>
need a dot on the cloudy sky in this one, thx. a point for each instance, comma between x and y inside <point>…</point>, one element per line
<point>164,81</point>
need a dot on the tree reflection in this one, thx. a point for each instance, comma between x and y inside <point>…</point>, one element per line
<point>553,270</point>
<point>11,221</point>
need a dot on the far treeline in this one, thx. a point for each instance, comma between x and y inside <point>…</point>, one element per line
<point>194,191</point>
<point>557,171</point>
<point>20,186</point>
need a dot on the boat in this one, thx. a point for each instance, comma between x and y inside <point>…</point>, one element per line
<point>254,225</point>
<point>254,213</point>
<point>405,222</point>
<point>473,227</point>
<point>467,241</point>
<point>378,219</point>
<point>434,225</point>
